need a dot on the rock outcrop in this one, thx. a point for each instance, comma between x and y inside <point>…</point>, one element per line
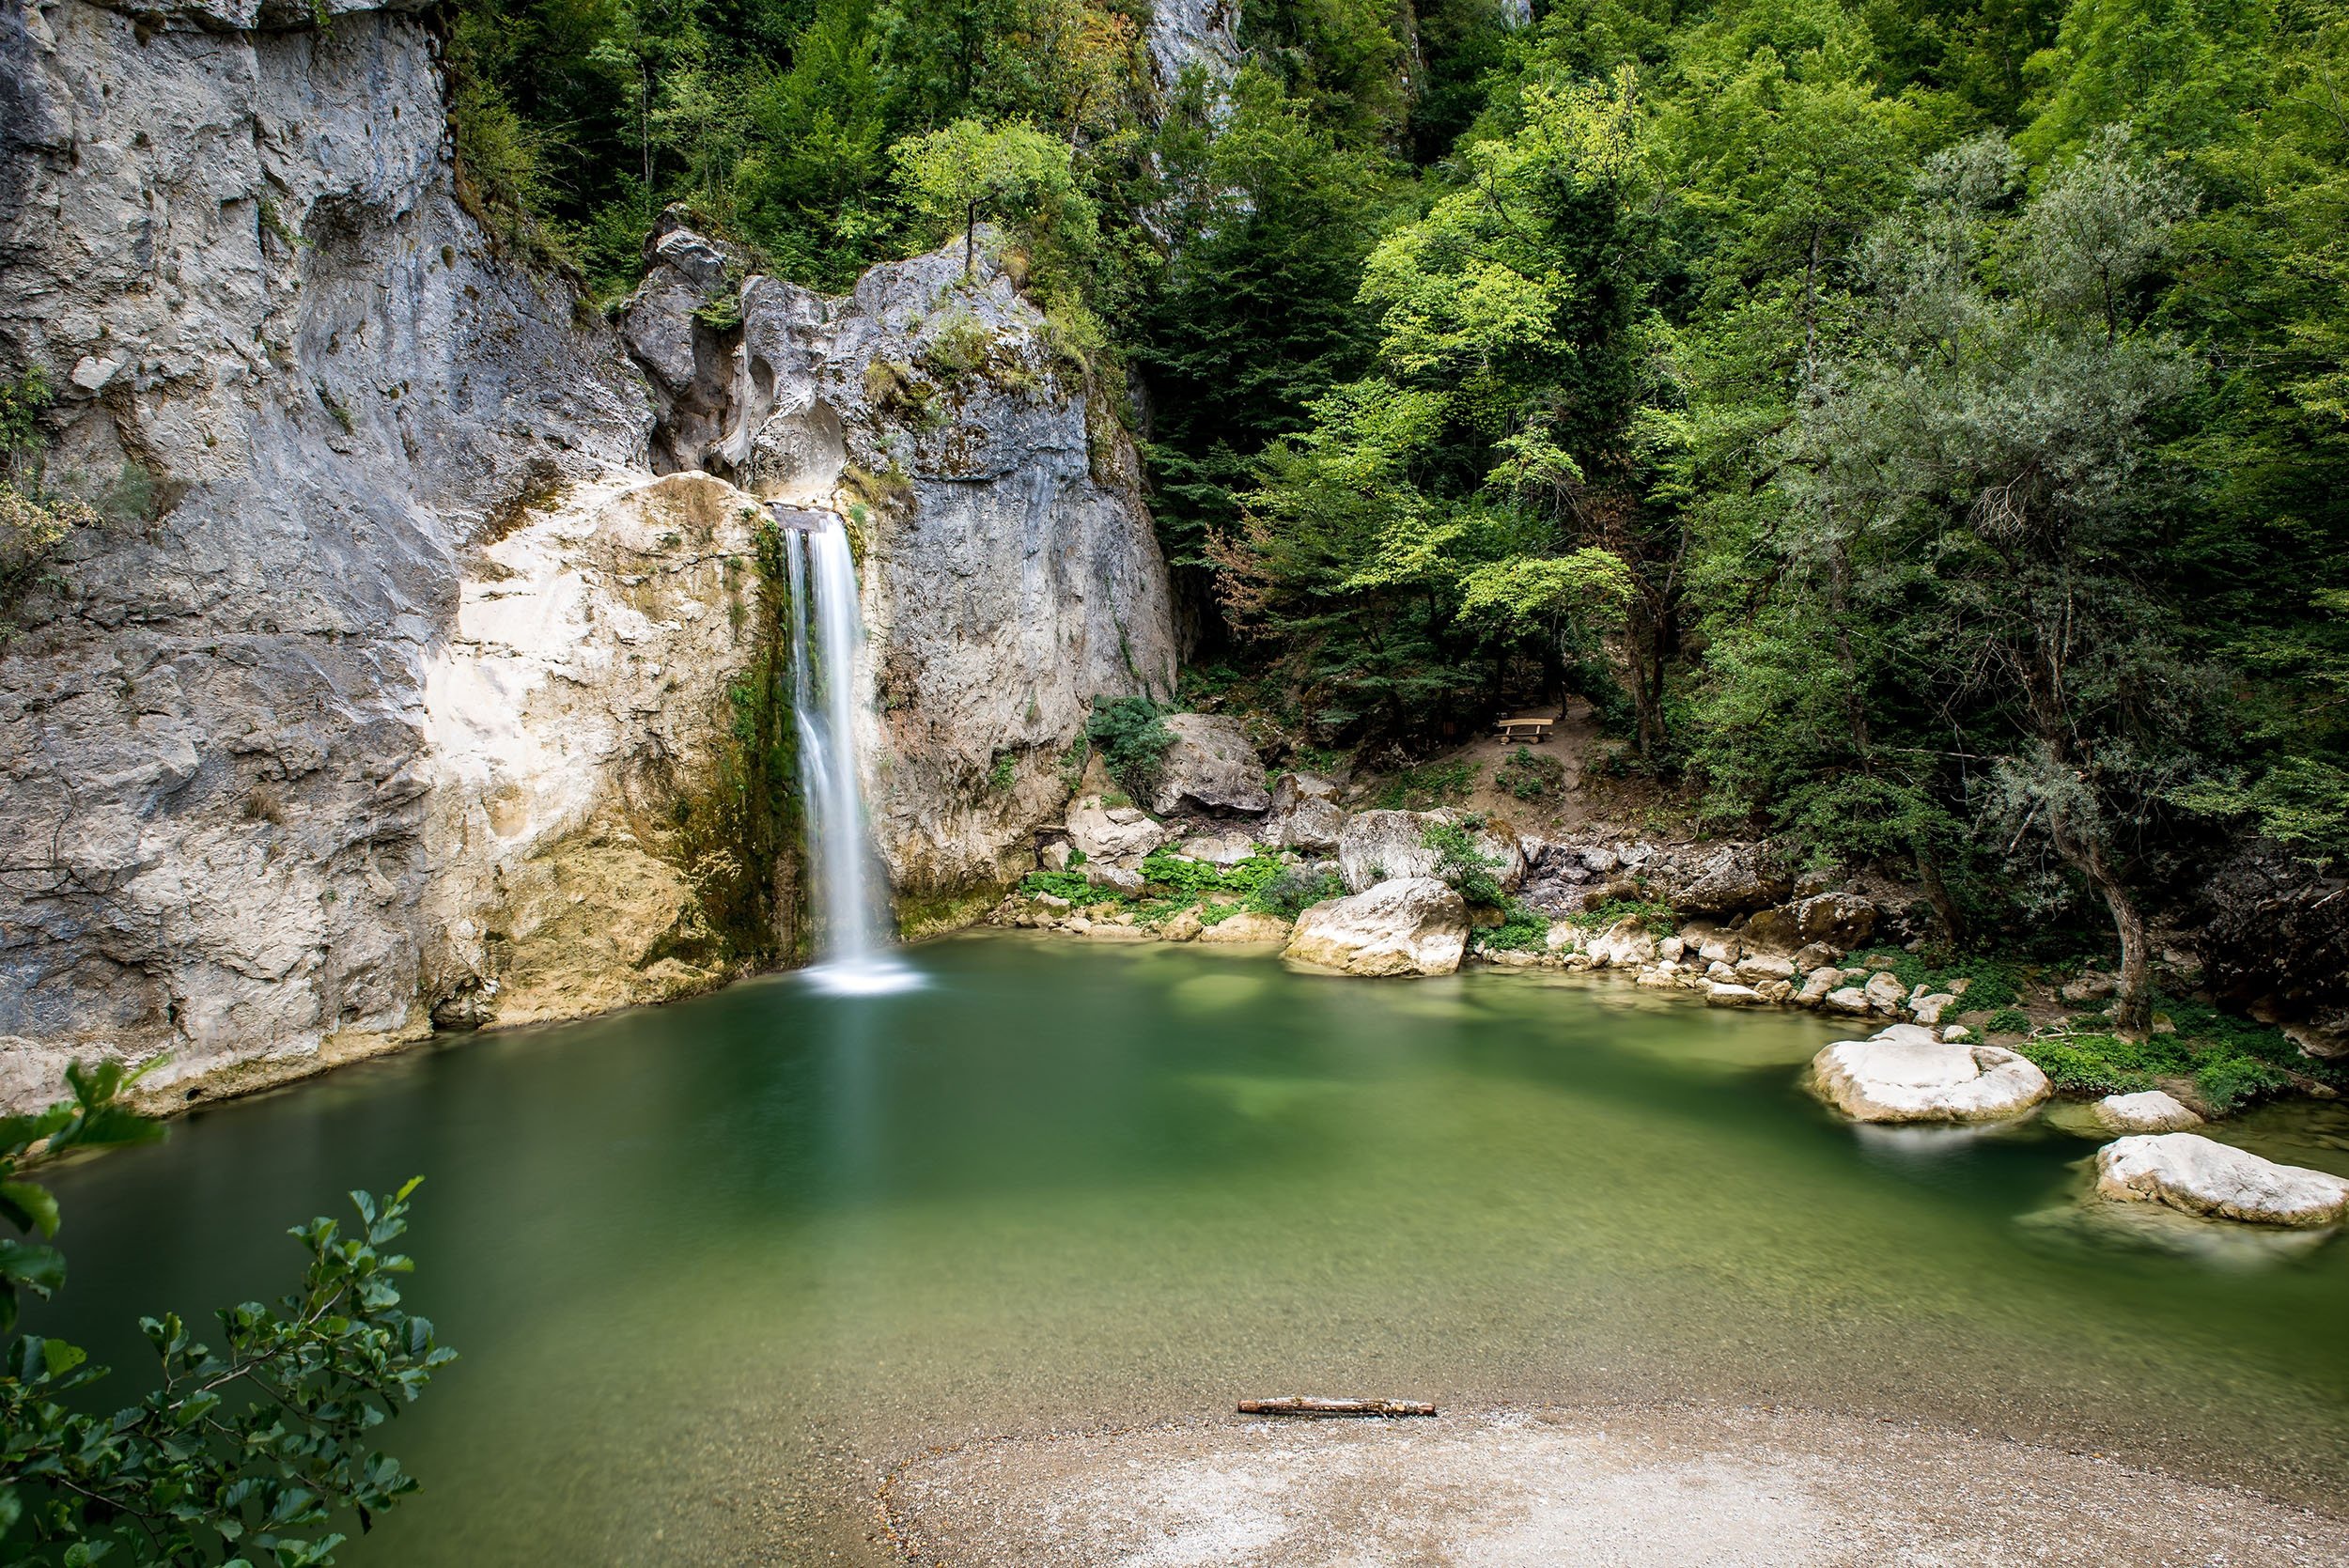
<point>580,821</point>
<point>309,390</point>
<point>1903,1073</point>
<point>1009,572</point>
<point>2148,1111</point>
<point>1210,765</point>
<point>1376,846</point>
<point>2199,1175</point>
<point>274,755</point>
<point>1406,925</point>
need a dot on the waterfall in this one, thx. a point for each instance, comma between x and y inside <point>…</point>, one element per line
<point>851,934</point>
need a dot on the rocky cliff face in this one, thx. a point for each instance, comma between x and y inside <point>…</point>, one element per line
<point>395,685</point>
<point>1008,570</point>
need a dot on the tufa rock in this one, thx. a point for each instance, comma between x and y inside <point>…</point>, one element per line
<point>1904,1074</point>
<point>2149,1111</point>
<point>1210,765</point>
<point>2199,1175</point>
<point>1406,925</point>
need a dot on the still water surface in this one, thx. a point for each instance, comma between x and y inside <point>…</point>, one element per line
<point>712,1267</point>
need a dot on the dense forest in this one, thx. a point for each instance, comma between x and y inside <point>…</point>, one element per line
<point>1920,427</point>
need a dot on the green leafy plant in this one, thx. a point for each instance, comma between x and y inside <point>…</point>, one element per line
<point>188,1474</point>
<point>1462,862</point>
<point>1531,776</point>
<point>1132,738</point>
<point>1296,889</point>
<point>1429,785</point>
<point>2008,1020</point>
<point>1521,930</point>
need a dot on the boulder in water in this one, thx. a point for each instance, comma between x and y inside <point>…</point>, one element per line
<point>2199,1175</point>
<point>1406,925</point>
<point>1245,928</point>
<point>1211,765</point>
<point>1905,1075</point>
<point>2148,1111</point>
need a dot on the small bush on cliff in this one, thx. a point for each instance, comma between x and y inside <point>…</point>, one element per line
<point>1531,776</point>
<point>1132,738</point>
<point>1462,864</point>
<point>186,1475</point>
<point>32,521</point>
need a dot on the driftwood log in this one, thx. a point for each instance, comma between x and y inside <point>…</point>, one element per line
<point>1297,1405</point>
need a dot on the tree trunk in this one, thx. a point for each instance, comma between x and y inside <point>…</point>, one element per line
<point>1938,895</point>
<point>2133,1002</point>
<point>970,243</point>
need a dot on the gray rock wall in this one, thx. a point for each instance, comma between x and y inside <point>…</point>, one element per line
<point>1009,571</point>
<point>268,797</point>
<point>282,345</point>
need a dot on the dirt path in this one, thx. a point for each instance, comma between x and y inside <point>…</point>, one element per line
<point>1616,1487</point>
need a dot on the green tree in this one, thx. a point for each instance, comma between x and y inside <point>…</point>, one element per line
<point>189,1474</point>
<point>1012,173</point>
<point>2000,434</point>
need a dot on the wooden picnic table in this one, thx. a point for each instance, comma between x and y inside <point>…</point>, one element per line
<point>1526,726</point>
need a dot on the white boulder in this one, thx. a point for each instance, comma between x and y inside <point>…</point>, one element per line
<point>1383,845</point>
<point>1624,945</point>
<point>2149,1111</point>
<point>1719,995</point>
<point>1849,999</point>
<point>1885,994</point>
<point>1928,1009</point>
<point>1210,763</point>
<point>1408,926</point>
<point>1113,832</point>
<point>1244,928</point>
<point>1905,1075</point>
<point>1113,879</point>
<point>2199,1175</point>
<point>1219,848</point>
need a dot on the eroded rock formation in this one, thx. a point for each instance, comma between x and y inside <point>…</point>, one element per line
<point>398,684</point>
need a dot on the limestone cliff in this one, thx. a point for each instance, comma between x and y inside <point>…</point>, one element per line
<point>1009,571</point>
<point>398,684</point>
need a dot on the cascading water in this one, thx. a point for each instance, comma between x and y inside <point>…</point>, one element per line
<point>851,936</point>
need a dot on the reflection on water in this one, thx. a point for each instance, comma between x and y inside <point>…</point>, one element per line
<point>711,1265</point>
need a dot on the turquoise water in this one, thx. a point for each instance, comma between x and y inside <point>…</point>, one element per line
<point>714,1267</point>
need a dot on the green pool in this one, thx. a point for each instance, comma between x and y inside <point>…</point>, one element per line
<point>714,1267</point>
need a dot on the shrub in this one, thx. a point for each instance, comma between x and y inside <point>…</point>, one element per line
<point>1132,738</point>
<point>1522,930</point>
<point>1295,890</point>
<point>2008,1020</point>
<point>1531,775</point>
<point>2231,1082</point>
<point>1429,785</point>
<point>249,1452</point>
<point>1460,863</point>
<point>2085,1064</point>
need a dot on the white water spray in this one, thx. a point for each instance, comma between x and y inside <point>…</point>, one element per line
<point>851,936</point>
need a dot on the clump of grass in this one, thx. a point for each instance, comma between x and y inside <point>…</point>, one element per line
<point>1657,916</point>
<point>1531,776</point>
<point>1429,785</point>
